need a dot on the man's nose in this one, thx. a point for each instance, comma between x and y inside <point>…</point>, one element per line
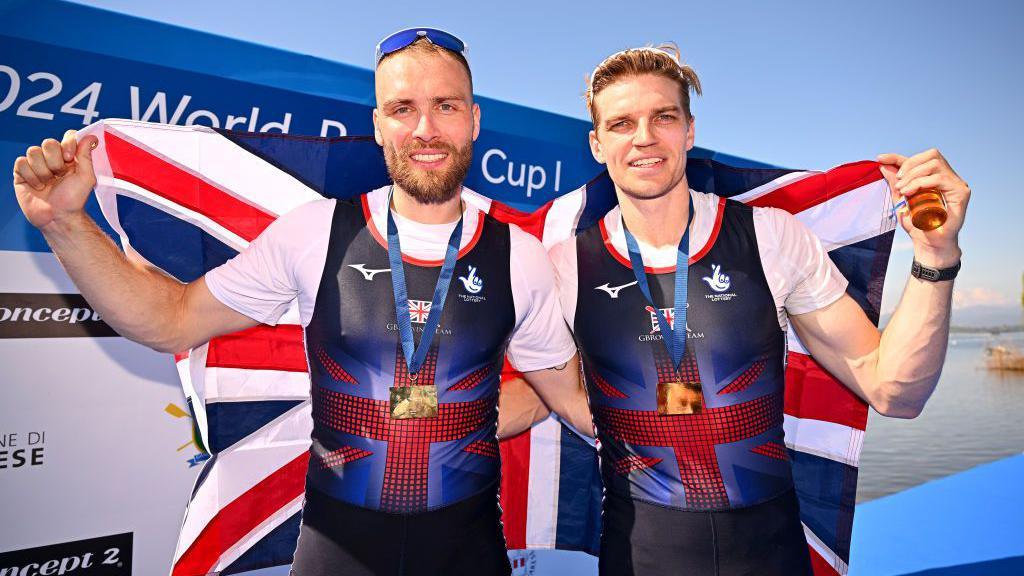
<point>643,136</point>
<point>426,128</point>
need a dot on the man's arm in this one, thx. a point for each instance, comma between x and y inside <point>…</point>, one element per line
<point>561,389</point>
<point>52,183</point>
<point>896,371</point>
<point>519,408</point>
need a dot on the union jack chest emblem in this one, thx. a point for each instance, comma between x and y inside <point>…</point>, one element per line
<point>419,310</point>
<point>670,317</point>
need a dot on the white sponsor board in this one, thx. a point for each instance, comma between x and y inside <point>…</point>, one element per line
<point>94,436</point>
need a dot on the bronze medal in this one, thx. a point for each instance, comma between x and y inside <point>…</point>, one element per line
<point>680,398</point>
<point>417,401</point>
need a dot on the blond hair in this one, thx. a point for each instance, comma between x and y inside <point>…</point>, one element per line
<point>662,60</point>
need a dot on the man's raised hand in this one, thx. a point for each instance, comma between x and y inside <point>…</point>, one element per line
<point>53,180</point>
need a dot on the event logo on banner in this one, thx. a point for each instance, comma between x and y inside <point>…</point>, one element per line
<point>200,455</point>
<point>103,556</point>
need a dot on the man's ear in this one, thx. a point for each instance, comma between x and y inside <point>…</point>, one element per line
<point>476,121</point>
<point>690,133</point>
<point>376,129</point>
<point>595,148</point>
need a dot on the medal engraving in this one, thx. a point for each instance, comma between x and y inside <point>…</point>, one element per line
<point>413,402</point>
<point>680,398</point>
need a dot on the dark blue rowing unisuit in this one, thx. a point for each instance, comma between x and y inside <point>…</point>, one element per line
<point>730,455</point>
<point>360,455</point>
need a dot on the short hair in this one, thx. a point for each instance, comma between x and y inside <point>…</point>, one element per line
<point>662,60</point>
<point>425,46</point>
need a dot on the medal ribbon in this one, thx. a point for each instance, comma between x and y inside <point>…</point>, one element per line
<point>415,355</point>
<point>674,339</point>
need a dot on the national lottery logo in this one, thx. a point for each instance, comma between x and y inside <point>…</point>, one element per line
<point>471,282</point>
<point>717,281</point>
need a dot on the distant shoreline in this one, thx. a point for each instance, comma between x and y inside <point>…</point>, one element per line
<point>995,330</point>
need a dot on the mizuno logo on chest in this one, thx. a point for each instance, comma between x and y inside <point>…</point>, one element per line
<point>368,273</point>
<point>613,291</point>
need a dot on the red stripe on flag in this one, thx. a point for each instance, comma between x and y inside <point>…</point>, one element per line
<point>813,190</point>
<point>811,392</point>
<point>515,482</point>
<point>132,163</point>
<point>529,222</point>
<point>820,566</point>
<point>260,348</point>
<point>242,516</point>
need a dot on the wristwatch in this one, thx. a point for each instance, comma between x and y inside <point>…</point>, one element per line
<point>918,270</point>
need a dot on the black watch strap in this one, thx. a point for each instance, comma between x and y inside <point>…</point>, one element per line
<point>918,270</point>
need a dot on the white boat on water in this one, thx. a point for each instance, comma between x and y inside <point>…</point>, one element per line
<point>1001,357</point>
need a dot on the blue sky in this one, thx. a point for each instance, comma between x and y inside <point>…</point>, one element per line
<point>804,85</point>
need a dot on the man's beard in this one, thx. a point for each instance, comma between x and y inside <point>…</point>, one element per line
<point>429,186</point>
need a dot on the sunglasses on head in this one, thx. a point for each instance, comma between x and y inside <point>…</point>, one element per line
<point>403,38</point>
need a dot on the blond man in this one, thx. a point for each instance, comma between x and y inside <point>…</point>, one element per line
<point>684,491</point>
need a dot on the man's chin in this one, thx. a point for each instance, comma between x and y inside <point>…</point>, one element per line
<point>644,190</point>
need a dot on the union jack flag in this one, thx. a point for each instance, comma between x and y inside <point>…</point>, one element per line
<point>670,317</point>
<point>186,200</point>
<point>419,310</point>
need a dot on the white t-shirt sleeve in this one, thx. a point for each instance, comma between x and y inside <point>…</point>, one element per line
<point>540,338</point>
<point>801,275</point>
<point>263,280</point>
<point>563,259</point>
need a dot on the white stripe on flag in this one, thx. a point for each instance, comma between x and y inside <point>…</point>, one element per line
<point>108,187</point>
<point>193,383</point>
<point>241,384</point>
<point>856,215</point>
<point>217,160</point>
<point>564,216</point>
<point>245,464</point>
<point>825,552</point>
<point>542,501</point>
<point>780,182</point>
<point>826,439</point>
<point>244,543</point>
<point>476,200</point>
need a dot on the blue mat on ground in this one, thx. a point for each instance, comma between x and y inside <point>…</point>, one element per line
<point>967,523</point>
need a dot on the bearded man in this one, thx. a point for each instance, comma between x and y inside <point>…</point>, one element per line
<point>403,474</point>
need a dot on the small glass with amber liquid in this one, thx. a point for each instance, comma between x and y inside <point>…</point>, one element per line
<point>927,209</point>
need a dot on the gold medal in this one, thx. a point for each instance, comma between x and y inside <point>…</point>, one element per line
<point>417,401</point>
<point>680,398</point>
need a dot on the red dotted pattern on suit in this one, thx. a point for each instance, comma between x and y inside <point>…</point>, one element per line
<point>603,385</point>
<point>341,456</point>
<point>746,378</point>
<point>408,458</point>
<point>487,448</point>
<point>336,372</point>
<point>772,450</point>
<point>667,373</point>
<point>633,463</point>
<point>426,373</point>
<point>693,437</point>
<point>473,380</point>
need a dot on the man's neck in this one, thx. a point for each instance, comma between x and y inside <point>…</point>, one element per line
<point>408,207</point>
<point>657,221</point>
